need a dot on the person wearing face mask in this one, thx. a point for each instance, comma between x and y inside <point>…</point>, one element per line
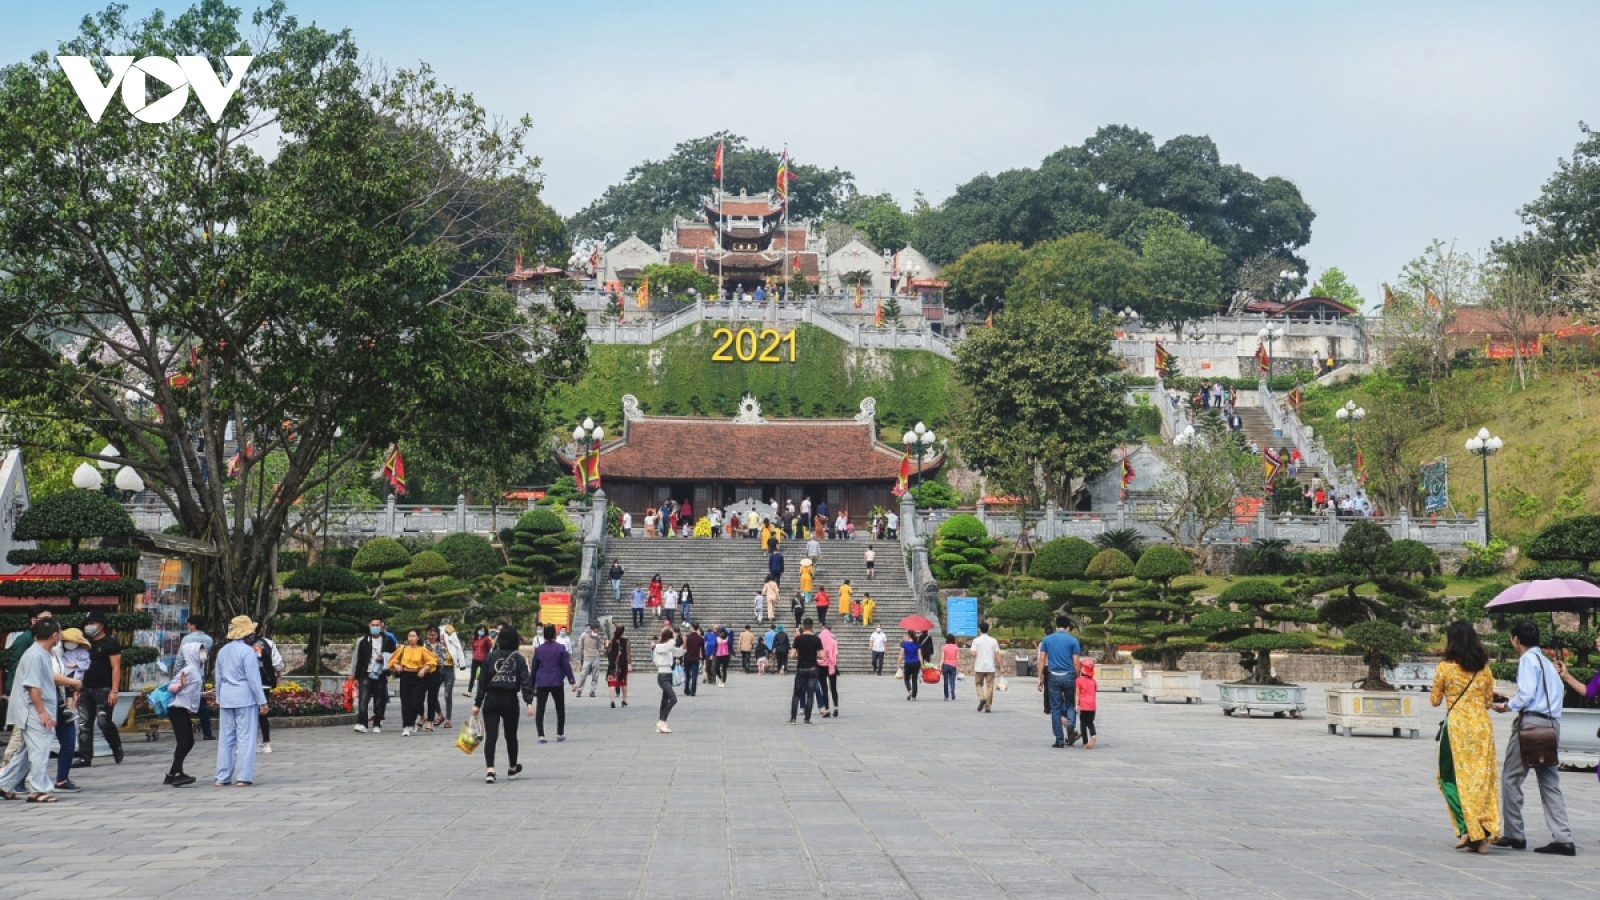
<point>482,643</point>
<point>99,696</point>
<point>241,701</point>
<point>369,667</point>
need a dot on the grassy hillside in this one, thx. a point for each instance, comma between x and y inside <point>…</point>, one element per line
<point>1550,466</point>
<point>828,379</point>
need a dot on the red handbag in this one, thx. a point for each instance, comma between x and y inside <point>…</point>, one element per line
<point>930,675</point>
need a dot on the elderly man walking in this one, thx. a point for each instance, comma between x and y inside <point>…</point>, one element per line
<point>240,699</point>
<point>591,656</point>
<point>32,712</point>
<point>1537,703</point>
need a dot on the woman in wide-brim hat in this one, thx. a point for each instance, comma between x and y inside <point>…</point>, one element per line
<point>240,626</point>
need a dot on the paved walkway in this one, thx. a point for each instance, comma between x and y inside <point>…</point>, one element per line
<point>894,799</point>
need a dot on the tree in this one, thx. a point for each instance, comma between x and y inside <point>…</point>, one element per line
<point>1062,559</point>
<point>543,550</point>
<point>962,552</point>
<point>1564,220</point>
<point>676,280</point>
<point>1575,541</point>
<point>1246,619</point>
<point>69,518</point>
<point>653,192</point>
<point>1366,556</point>
<point>982,276</point>
<point>470,555</point>
<point>1209,471</point>
<point>891,310</point>
<point>1424,300</point>
<point>321,581</point>
<point>887,226</point>
<point>1045,403</point>
<point>1335,285</point>
<point>1084,271</point>
<point>1183,274</point>
<point>378,556</point>
<point>1114,572</point>
<point>163,283</point>
<point>1519,302</point>
<point>1380,644</point>
<point>1159,613</point>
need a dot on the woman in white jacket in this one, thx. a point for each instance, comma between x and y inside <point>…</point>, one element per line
<point>458,660</point>
<point>666,653</point>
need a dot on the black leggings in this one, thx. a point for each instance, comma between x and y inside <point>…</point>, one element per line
<point>830,682</point>
<point>669,697</point>
<point>430,685</point>
<point>499,707</point>
<point>561,708</point>
<point>1086,722</point>
<point>264,726</point>
<point>913,673</point>
<point>183,733</point>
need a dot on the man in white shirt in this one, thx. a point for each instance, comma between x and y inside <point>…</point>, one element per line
<point>1540,693</point>
<point>627,524</point>
<point>894,525</point>
<point>814,548</point>
<point>984,651</point>
<point>879,643</point>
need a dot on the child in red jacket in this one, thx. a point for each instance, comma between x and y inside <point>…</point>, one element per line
<point>1086,701</point>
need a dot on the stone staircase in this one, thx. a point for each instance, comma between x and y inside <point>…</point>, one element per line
<point>1257,428</point>
<point>725,576</point>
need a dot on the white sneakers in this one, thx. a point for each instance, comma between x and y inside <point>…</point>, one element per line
<point>661,728</point>
<point>265,748</point>
<point>406,732</point>
<point>361,729</point>
<point>377,729</point>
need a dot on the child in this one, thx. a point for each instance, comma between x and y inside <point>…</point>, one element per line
<point>1086,687</point>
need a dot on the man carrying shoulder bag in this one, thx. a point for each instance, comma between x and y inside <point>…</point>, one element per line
<point>1533,746</point>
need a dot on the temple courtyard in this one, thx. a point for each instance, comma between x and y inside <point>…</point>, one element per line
<point>893,799</point>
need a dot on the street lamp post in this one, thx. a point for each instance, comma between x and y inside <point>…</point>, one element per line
<point>919,440</point>
<point>591,434</point>
<point>1350,414</point>
<point>1483,445</point>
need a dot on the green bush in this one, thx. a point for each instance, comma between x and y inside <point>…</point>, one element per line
<point>1021,612</point>
<point>966,527</point>
<point>1109,564</point>
<point>961,552</point>
<point>73,516</point>
<point>427,564</point>
<point>380,555</point>
<point>1163,562</point>
<point>1061,559</point>
<point>1481,561</point>
<point>470,555</point>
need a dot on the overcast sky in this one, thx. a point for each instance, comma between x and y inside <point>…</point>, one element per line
<point>1400,121</point>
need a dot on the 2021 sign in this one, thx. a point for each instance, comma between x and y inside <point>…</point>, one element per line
<point>750,345</point>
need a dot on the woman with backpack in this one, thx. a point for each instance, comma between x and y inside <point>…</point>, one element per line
<point>505,675</point>
<point>271,667</point>
<point>617,667</point>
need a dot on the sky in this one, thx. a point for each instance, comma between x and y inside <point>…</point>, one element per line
<point>1400,122</point>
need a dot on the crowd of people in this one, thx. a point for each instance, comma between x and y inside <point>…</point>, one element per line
<point>675,518</point>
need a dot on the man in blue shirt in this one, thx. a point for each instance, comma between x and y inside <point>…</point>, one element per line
<point>638,607</point>
<point>1058,675</point>
<point>1538,701</point>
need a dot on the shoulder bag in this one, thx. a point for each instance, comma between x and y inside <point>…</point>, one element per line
<point>1537,739</point>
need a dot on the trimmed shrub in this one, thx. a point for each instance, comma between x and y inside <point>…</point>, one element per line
<point>1062,559</point>
<point>470,555</point>
<point>1109,564</point>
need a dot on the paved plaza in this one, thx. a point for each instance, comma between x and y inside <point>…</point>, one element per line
<point>893,799</point>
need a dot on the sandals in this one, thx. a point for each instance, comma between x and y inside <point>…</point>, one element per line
<point>43,798</point>
<point>8,795</point>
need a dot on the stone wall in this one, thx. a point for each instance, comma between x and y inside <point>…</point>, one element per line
<point>340,649</point>
<point>1298,668</point>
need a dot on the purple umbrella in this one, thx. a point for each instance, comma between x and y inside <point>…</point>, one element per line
<point>1547,595</point>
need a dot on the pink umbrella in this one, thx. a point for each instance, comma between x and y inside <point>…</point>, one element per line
<point>1547,595</point>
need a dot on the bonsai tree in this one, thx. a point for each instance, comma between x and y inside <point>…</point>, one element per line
<point>427,564</point>
<point>472,556</point>
<point>319,581</point>
<point>1245,619</point>
<point>543,549</point>
<point>378,556</point>
<point>1062,559</point>
<point>1380,644</point>
<point>1569,549</point>
<point>1157,612</point>
<point>961,552</point>
<point>1113,571</point>
<point>70,518</point>
<point>1125,539</point>
<point>1366,557</point>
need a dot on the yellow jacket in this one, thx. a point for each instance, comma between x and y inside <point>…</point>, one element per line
<point>845,591</point>
<point>867,606</point>
<point>407,658</point>
<point>805,578</point>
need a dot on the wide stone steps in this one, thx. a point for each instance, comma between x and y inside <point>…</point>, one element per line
<point>725,576</point>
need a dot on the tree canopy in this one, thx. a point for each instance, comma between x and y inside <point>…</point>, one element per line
<point>167,282</point>
<point>651,193</point>
<point>1564,220</point>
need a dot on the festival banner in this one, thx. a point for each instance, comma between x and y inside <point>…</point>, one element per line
<point>1436,485</point>
<point>1263,361</point>
<point>394,471</point>
<point>1163,358</point>
<point>1504,348</point>
<point>905,474</point>
<point>1274,464</point>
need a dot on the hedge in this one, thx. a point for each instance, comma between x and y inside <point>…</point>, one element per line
<point>1062,559</point>
<point>71,557</point>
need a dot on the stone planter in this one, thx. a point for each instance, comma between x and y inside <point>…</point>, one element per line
<point>1411,676</point>
<point>1123,677</point>
<point>1278,699</point>
<point>346,719</point>
<point>1160,685</point>
<point>1351,708</point>
<point>1580,745</point>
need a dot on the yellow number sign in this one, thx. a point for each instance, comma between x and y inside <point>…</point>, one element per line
<point>750,345</point>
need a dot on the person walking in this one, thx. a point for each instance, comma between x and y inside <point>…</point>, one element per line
<point>412,662</point>
<point>1087,700</point>
<point>828,673</point>
<point>807,590</point>
<point>780,651</point>
<point>747,646</point>
<point>197,634</point>
<point>433,715</point>
<point>813,550</point>
<point>272,667</point>
<point>505,675</point>
<point>665,654</point>
<point>880,644</point>
<point>449,664</point>
<point>846,600</point>
<point>769,592</point>
<point>724,655</point>
<point>638,606</point>
<point>185,690</point>
<point>911,663</point>
<point>868,607</point>
<point>775,565</point>
<point>1536,703</point>
<point>870,557</point>
<point>686,602</point>
<point>694,648</point>
<point>985,650</point>
<point>949,665</point>
<point>71,659</point>
<point>31,712</point>
<point>1058,676</point>
<point>369,667</point>
<point>99,695</point>
<point>241,700</point>
<point>615,574</point>
<point>713,641</point>
<point>591,653</point>
<point>481,645</point>
<point>13,656</point>
<point>797,606</point>
<point>618,667</point>
<point>823,602</point>
<point>1467,775</point>
<point>1587,691</point>
<point>655,595</point>
<point>669,603</point>
<point>551,664</point>
<point>807,651</point>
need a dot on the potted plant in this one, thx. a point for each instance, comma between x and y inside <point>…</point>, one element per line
<point>1246,619</point>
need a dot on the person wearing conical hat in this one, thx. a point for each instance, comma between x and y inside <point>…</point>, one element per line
<point>240,699</point>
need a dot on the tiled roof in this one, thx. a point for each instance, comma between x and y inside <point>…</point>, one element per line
<point>696,237</point>
<point>1477,320</point>
<point>761,208</point>
<point>675,448</point>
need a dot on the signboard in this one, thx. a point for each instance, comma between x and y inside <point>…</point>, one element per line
<point>555,608</point>
<point>962,616</point>
<point>1435,486</point>
<point>1503,348</point>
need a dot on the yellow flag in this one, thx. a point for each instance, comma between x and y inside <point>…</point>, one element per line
<point>643,297</point>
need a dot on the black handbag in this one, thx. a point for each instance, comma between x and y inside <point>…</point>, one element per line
<point>1538,739</point>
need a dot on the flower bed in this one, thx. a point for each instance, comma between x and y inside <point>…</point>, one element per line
<point>292,700</point>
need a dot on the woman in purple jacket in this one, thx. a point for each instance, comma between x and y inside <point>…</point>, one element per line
<point>551,663</point>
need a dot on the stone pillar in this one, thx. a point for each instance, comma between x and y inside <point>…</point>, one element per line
<point>1404,525</point>
<point>1263,525</point>
<point>909,526</point>
<point>461,512</point>
<point>981,514</point>
<point>1048,532</point>
<point>1122,514</point>
<point>390,517</point>
<point>1483,525</point>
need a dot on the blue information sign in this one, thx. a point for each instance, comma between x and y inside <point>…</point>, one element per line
<point>963,616</point>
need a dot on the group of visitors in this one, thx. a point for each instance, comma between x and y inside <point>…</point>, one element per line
<point>675,518</point>
<point>660,599</point>
<point>1484,800</point>
<point>425,664</point>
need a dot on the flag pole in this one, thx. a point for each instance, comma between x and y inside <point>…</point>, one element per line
<point>722,212</point>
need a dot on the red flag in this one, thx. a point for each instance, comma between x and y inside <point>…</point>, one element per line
<point>1295,398</point>
<point>592,469</point>
<point>1163,358</point>
<point>858,295</point>
<point>878,319</point>
<point>1263,361</point>
<point>716,167</point>
<point>394,471</point>
<point>905,474</point>
<point>1127,474</point>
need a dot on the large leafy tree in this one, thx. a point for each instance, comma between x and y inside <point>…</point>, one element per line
<point>648,197</point>
<point>983,275</point>
<point>327,255</point>
<point>1107,182</point>
<point>1083,270</point>
<point>1334,284</point>
<point>1209,469</point>
<point>1564,220</point>
<point>1045,403</point>
<point>1182,274</point>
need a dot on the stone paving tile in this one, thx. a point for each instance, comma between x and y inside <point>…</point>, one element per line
<point>895,799</point>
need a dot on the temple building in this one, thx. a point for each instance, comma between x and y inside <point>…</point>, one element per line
<point>719,462</point>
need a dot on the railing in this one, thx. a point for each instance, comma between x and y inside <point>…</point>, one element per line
<point>1313,451</point>
<point>1174,416</point>
<point>391,519</point>
<point>914,336</point>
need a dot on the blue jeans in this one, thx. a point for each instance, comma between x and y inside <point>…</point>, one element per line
<point>1062,690</point>
<point>238,737</point>
<point>686,608</point>
<point>805,690</point>
<point>691,677</point>
<point>949,673</point>
<point>616,589</point>
<point>67,737</point>
<point>822,690</point>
